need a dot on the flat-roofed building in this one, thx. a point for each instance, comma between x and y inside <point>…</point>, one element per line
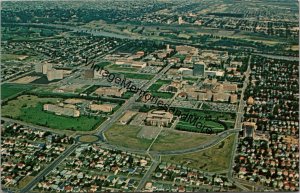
<point>110,91</point>
<point>185,71</point>
<point>127,117</point>
<point>54,74</point>
<point>61,110</point>
<point>187,50</point>
<point>43,67</point>
<point>159,118</point>
<point>47,67</point>
<point>38,68</point>
<point>221,97</point>
<point>102,107</point>
<point>233,98</point>
<point>199,69</point>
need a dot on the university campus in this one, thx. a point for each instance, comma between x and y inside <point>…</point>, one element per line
<point>150,96</point>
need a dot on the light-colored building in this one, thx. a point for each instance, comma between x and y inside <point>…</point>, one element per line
<point>102,107</point>
<point>185,71</point>
<point>54,74</point>
<point>127,117</point>
<point>47,67</point>
<point>39,68</point>
<point>187,50</point>
<point>61,110</point>
<point>233,98</point>
<point>214,73</point>
<point>131,63</point>
<point>159,118</point>
<point>43,67</point>
<point>110,91</point>
<point>180,20</point>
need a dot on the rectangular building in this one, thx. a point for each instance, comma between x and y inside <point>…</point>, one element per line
<point>61,110</point>
<point>199,69</point>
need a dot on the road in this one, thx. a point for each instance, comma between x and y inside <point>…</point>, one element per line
<point>147,175</point>
<point>108,123</point>
<point>33,126</point>
<point>48,169</point>
<point>238,126</point>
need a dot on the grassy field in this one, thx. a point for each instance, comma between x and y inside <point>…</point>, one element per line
<point>138,76</point>
<point>8,57</point>
<point>25,181</point>
<point>30,109</point>
<point>154,87</point>
<point>119,68</point>
<point>8,90</point>
<point>176,140</point>
<point>216,158</point>
<point>88,138</point>
<point>126,136</point>
<point>208,117</point>
<point>163,95</point>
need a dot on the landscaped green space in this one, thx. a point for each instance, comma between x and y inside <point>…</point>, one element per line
<point>88,138</point>
<point>216,158</point>
<point>217,120</point>
<point>29,108</point>
<point>154,87</point>
<point>120,68</point>
<point>176,140</point>
<point>126,136</point>
<point>163,95</point>
<point>8,90</point>
<point>138,76</point>
<point>184,126</point>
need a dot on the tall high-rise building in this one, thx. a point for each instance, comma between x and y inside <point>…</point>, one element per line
<point>38,68</point>
<point>43,67</point>
<point>168,47</point>
<point>199,69</point>
<point>180,21</point>
<point>54,74</point>
<point>46,67</point>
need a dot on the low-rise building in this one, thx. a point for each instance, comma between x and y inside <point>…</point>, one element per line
<point>110,91</point>
<point>61,110</point>
<point>127,117</point>
<point>159,118</point>
<point>102,107</point>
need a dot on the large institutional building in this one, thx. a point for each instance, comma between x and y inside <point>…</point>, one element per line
<point>159,118</point>
<point>61,110</point>
<point>47,69</point>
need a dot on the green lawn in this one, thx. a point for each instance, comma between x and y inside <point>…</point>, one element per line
<point>30,109</point>
<point>126,136</point>
<point>210,119</point>
<point>119,68</point>
<point>8,90</point>
<point>163,95</point>
<point>216,158</point>
<point>154,87</point>
<point>138,76</point>
<point>176,140</point>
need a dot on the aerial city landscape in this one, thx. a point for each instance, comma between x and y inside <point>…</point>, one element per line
<point>150,96</point>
